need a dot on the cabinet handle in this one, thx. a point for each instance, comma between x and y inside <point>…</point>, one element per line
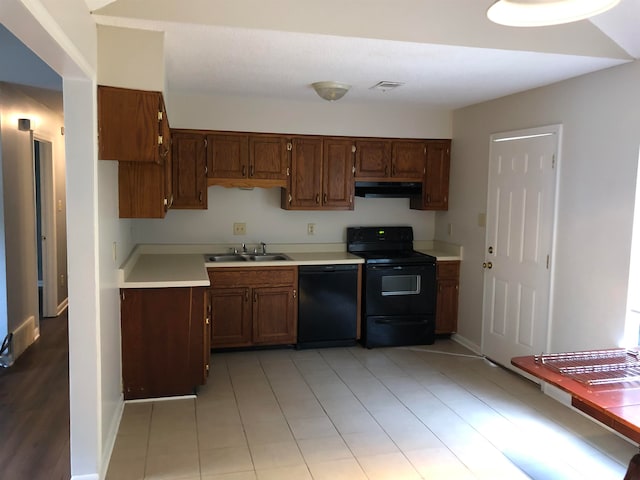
<point>200,197</point>
<point>317,198</point>
<point>295,293</point>
<point>255,297</point>
<point>428,198</point>
<point>246,295</point>
<point>244,170</point>
<point>252,170</point>
<point>393,171</point>
<point>324,198</point>
<point>207,321</point>
<point>386,170</point>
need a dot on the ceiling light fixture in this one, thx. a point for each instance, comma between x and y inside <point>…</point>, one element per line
<point>538,13</point>
<point>330,90</point>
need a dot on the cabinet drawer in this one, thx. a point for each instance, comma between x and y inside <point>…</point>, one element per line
<point>448,269</point>
<point>247,276</point>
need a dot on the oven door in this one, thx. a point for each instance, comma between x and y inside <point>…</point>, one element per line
<point>406,290</point>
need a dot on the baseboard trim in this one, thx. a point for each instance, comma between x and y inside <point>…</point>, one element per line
<point>24,336</point>
<point>62,306</point>
<point>110,441</point>
<point>456,337</point>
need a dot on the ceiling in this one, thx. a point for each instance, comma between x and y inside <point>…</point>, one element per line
<point>446,52</point>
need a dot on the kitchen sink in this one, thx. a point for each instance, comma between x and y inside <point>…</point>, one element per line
<point>225,257</point>
<point>242,257</point>
<point>267,257</point>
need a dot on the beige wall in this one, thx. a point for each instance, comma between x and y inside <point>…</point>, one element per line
<point>600,114</point>
<point>131,58</point>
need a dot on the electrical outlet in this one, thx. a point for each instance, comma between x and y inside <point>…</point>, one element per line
<point>311,228</point>
<point>239,228</point>
<point>482,219</point>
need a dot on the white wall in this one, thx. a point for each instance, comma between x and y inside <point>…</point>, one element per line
<point>600,113</point>
<point>260,208</point>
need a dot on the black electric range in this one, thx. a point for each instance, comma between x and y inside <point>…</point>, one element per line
<point>399,287</point>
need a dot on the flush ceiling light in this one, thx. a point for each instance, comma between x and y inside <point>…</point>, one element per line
<point>538,13</point>
<point>331,91</point>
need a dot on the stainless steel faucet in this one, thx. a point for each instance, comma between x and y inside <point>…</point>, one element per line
<point>244,248</point>
<point>264,248</point>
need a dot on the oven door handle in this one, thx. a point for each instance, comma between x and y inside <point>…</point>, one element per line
<point>387,267</point>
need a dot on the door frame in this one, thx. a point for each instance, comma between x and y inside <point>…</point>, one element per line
<point>49,247</point>
<point>556,130</point>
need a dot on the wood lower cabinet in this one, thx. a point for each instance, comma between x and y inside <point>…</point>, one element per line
<point>165,341</point>
<point>321,174</point>
<point>448,280</point>
<point>435,188</point>
<point>253,306</point>
<point>189,155</point>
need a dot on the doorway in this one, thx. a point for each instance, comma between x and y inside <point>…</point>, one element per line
<point>521,200</point>
<point>45,216</point>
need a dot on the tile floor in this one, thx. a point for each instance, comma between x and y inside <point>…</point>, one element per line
<point>428,412</point>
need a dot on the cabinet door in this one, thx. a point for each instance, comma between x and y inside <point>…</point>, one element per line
<point>268,159</point>
<point>337,174</point>
<point>274,315</point>
<point>142,190</point>
<point>158,337</point>
<point>306,173</point>
<point>435,189</point>
<point>408,160</point>
<point>166,158</point>
<point>448,274</point>
<point>228,155</point>
<point>189,170</point>
<point>372,159</point>
<point>447,306</point>
<point>231,317</point>
<point>129,125</point>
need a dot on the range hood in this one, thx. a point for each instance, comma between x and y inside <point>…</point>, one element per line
<point>388,189</point>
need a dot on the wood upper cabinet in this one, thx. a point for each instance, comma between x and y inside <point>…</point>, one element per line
<point>133,128</point>
<point>435,188</point>
<point>255,160</point>
<point>165,350</point>
<point>448,279</point>
<point>131,125</point>
<point>253,306</point>
<point>321,174</point>
<point>408,159</point>
<point>189,157</point>
<point>389,160</point>
<point>337,174</point>
<point>373,159</point>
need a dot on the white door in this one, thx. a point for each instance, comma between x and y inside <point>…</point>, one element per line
<point>520,225</point>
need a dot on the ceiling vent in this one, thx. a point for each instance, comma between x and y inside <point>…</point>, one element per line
<point>385,86</point>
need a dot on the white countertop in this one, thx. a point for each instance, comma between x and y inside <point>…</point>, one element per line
<point>159,266</point>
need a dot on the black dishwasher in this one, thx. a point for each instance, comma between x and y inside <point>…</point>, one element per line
<point>327,306</point>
